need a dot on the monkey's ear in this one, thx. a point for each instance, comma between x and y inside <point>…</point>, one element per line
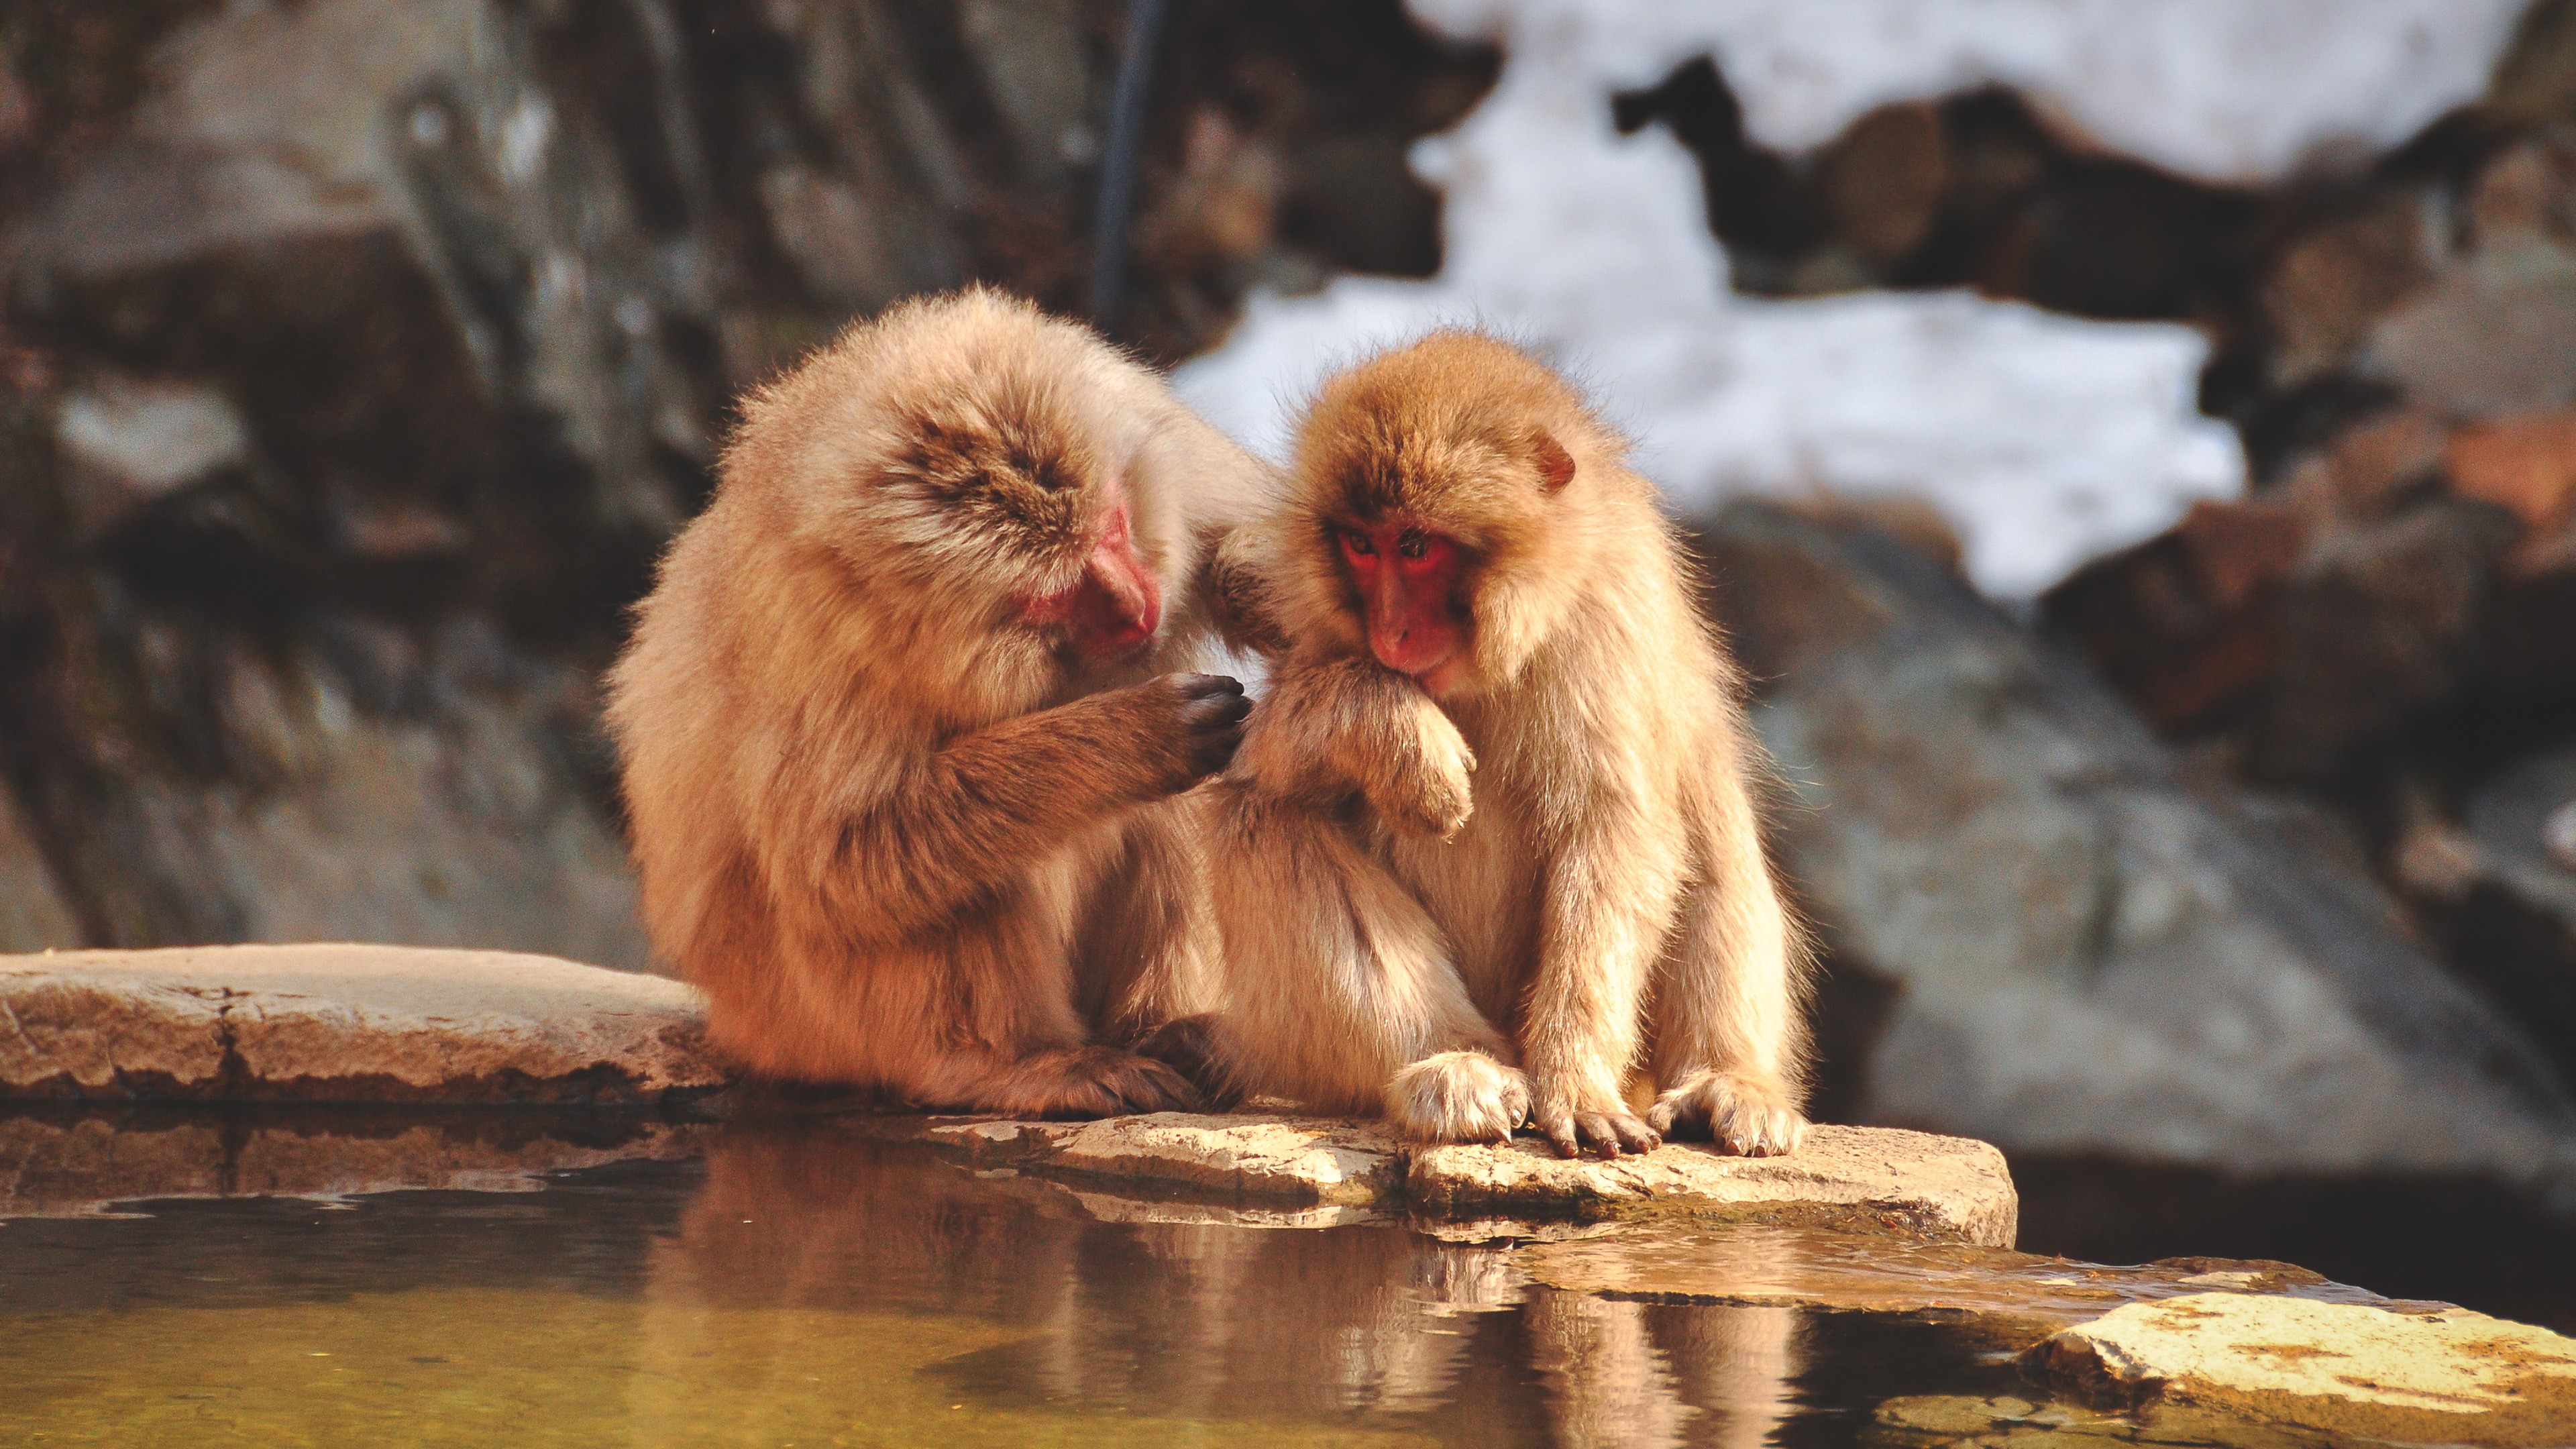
<point>1555,465</point>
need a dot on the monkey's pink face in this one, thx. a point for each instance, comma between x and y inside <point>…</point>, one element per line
<point>1410,581</point>
<point>1113,609</point>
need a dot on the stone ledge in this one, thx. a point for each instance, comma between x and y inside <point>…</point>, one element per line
<point>344,1023</point>
<point>399,1025</point>
<point>2436,1375</point>
<point>1867,1179</point>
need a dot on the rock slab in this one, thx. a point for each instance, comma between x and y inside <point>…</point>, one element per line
<point>345,1023</point>
<point>1878,1180</point>
<point>2099,947</point>
<point>2444,1376</point>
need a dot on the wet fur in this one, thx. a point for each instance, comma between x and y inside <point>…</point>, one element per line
<point>900,836</point>
<point>1557,869</point>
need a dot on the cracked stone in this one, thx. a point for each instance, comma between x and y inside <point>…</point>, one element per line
<point>345,1023</point>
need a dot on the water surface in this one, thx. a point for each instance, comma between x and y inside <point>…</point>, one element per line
<point>801,1286</point>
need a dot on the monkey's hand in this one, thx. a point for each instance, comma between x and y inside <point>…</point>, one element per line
<point>1458,1097</point>
<point>1577,1120</point>
<point>1419,783</point>
<point>1744,1114</point>
<point>1187,723</point>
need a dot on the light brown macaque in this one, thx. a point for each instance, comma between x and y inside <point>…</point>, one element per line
<point>904,770</point>
<point>1489,850</point>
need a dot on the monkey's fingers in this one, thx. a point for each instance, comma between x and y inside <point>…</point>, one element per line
<point>1213,708</point>
<point>1743,1117</point>
<point>1142,1084</point>
<point>1190,1046</point>
<point>1559,1126</point>
<point>1193,688</point>
<point>1610,1133</point>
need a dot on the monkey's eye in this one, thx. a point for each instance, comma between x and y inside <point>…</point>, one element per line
<point>1358,542</point>
<point>1413,543</point>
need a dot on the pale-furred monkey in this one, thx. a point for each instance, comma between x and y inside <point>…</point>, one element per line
<point>1467,578</point>
<point>902,766</point>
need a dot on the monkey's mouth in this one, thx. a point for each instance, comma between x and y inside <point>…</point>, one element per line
<point>1101,619</point>
<point>1438,680</point>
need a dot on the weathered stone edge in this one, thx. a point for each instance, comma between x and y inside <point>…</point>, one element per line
<point>1402,1185</point>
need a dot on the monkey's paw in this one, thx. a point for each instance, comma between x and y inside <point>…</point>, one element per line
<point>1193,1046</point>
<point>1091,1082</point>
<point>1746,1115</point>
<point>1204,719</point>
<point>1426,790</point>
<point>1602,1127</point>
<point>1458,1097</point>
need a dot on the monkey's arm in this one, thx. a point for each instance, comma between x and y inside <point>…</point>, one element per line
<point>1331,725</point>
<point>1238,597</point>
<point>1612,876</point>
<point>985,807</point>
<point>1731,1033</point>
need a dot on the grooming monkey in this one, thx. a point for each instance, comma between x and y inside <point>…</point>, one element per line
<point>901,765</point>
<point>1474,591</point>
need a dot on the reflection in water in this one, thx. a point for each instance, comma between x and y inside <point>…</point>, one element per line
<point>816,1289</point>
<point>1370,1326</point>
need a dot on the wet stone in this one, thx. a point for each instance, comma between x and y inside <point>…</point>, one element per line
<point>2020,1298</point>
<point>1866,1179</point>
<point>2430,1376</point>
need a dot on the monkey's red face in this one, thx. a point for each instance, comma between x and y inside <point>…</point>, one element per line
<point>1408,577</point>
<point>1115,607</point>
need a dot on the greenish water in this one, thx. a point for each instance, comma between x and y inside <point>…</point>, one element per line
<point>799,1287</point>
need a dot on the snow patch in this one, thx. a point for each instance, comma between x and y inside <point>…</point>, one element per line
<point>2045,440</point>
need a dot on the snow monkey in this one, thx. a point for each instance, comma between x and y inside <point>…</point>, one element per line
<point>902,769</point>
<point>1473,590</point>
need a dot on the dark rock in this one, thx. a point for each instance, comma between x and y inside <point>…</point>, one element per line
<point>2332,283</point>
<point>2096,947</point>
<point>360,356</point>
<point>2500,891</point>
<point>2497,334</point>
<point>2187,625</point>
<point>2525,465</point>
<point>2379,623</point>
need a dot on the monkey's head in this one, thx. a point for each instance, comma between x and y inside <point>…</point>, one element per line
<point>986,469</point>
<point>1440,513</point>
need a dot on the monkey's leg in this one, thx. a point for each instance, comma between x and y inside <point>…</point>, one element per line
<point>1340,991</point>
<point>978,1016</point>
<point>982,1020</point>
<point>1610,884</point>
<point>1145,953</point>
<point>1731,1029</point>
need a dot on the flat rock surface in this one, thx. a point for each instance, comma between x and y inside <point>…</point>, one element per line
<point>1869,1179</point>
<point>344,1023</point>
<point>2023,1296</point>
<point>2437,1376</point>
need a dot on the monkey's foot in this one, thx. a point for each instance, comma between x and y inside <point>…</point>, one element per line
<point>1190,1046</point>
<point>1603,1126</point>
<point>1458,1097</point>
<point>1087,1082</point>
<point>1747,1115</point>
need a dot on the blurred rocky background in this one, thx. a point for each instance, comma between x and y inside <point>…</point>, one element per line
<point>357,357</point>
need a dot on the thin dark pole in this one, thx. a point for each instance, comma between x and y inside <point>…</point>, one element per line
<point>1118,161</point>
